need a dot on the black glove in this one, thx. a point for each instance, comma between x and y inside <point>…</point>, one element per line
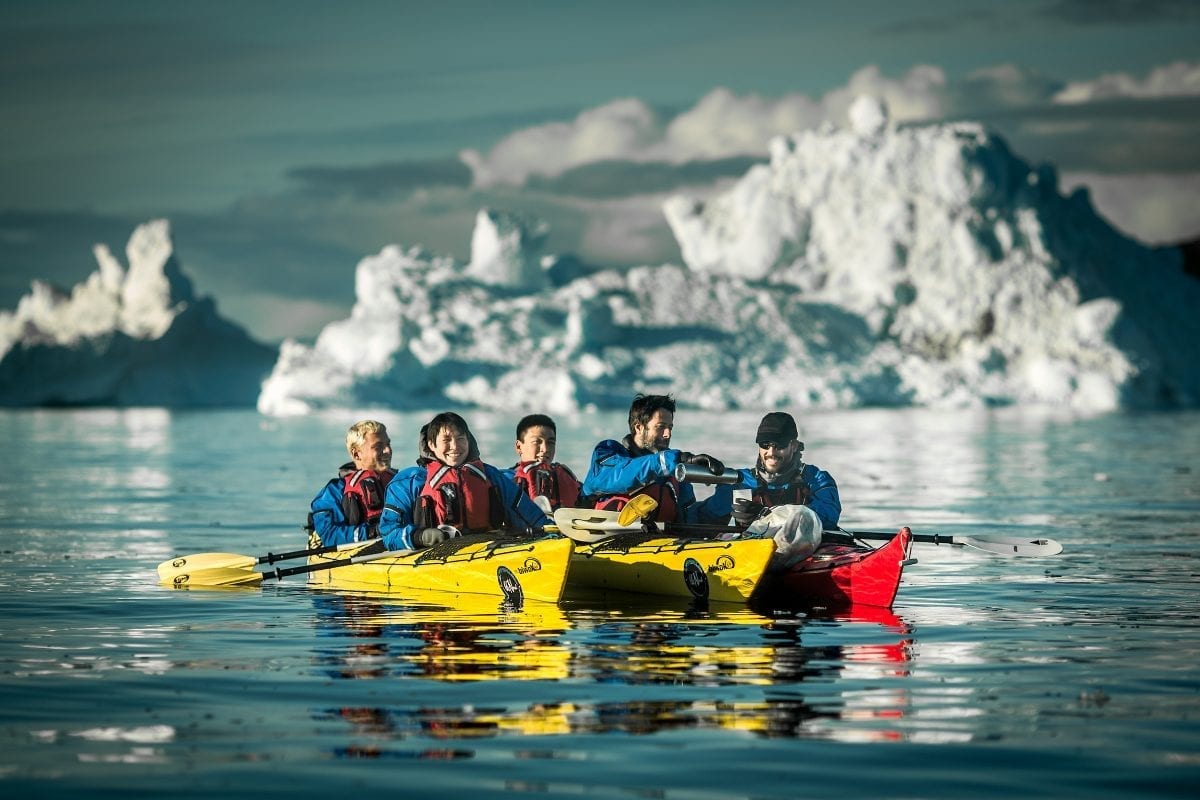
<point>745,511</point>
<point>704,460</point>
<point>428,537</point>
<point>372,531</point>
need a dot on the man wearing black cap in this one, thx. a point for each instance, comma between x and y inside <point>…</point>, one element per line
<point>780,477</point>
<point>644,462</point>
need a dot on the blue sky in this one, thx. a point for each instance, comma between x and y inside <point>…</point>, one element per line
<point>287,140</point>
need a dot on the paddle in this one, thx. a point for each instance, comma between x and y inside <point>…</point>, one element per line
<point>247,576</point>
<point>594,526</point>
<point>588,525</point>
<point>1000,545</point>
<point>185,565</point>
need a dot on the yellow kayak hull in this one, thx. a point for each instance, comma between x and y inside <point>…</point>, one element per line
<point>511,570</point>
<point>700,569</point>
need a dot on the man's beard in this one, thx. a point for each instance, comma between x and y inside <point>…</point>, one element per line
<point>786,469</point>
<point>632,443</point>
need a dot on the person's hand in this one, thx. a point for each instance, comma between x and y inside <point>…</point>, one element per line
<point>711,464</point>
<point>450,531</point>
<point>372,531</point>
<point>428,537</point>
<point>745,511</point>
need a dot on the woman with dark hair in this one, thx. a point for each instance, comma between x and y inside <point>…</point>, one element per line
<point>451,491</point>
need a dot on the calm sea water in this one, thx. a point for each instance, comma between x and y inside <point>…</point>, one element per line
<point>1075,675</point>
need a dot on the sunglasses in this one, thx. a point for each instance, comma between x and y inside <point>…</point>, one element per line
<point>776,445</point>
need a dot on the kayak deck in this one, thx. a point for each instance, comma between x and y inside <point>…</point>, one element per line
<point>845,573</point>
<point>512,569</point>
<point>665,565</point>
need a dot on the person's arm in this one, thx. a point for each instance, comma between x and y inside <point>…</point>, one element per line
<point>396,521</point>
<point>329,520</point>
<point>521,512</point>
<point>614,471</point>
<point>825,498</point>
<point>746,480</point>
<point>713,510</point>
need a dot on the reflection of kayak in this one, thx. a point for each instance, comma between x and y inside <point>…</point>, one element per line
<point>512,569</point>
<point>666,565</point>
<point>845,572</point>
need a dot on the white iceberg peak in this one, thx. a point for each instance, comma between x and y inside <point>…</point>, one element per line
<point>868,115</point>
<point>154,290</point>
<point>505,251</point>
<point>133,336</point>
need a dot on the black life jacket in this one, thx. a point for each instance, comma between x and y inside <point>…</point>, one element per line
<point>553,481</point>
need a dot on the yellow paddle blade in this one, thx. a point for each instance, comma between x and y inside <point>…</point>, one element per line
<point>638,507</point>
<point>217,576</point>
<point>186,565</point>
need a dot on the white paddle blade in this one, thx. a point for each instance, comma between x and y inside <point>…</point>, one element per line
<point>587,525</point>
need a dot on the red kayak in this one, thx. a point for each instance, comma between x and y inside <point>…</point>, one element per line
<point>844,573</point>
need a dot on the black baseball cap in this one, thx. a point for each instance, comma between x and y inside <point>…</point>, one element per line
<point>776,427</point>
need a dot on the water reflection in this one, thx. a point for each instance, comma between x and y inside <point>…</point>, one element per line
<point>474,639</point>
<point>827,675</point>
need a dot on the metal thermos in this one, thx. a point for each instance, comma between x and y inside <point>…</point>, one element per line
<point>695,473</point>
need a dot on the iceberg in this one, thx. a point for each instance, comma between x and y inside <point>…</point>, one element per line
<point>128,337</point>
<point>867,265</point>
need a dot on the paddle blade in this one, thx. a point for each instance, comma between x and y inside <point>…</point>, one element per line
<point>187,565</point>
<point>1012,546</point>
<point>218,576</point>
<point>636,509</point>
<point>587,526</point>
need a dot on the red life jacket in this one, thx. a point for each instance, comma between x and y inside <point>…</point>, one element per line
<point>459,496</point>
<point>665,492</point>
<point>553,481</point>
<point>363,495</point>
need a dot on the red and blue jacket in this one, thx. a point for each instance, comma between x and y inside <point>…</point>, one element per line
<point>554,481</point>
<point>619,470</point>
<point>327,516</point>
<point>812,487</point>
<point>405,507</point>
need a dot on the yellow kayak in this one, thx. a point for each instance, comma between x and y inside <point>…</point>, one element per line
<point>512,569</point>
<point>702,569</point>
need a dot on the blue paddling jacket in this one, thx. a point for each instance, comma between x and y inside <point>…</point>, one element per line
<point>397,523</point>
<point>327,517</point>
<point>811,486</point>
<point>621,469</point>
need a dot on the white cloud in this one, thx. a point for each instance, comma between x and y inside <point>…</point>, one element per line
<point>1180,79</point>
<point>1156,209</point>
<point>611,131</point>
<point>920,94</point>
<point>1000,87</point>
<point>720,125</point>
